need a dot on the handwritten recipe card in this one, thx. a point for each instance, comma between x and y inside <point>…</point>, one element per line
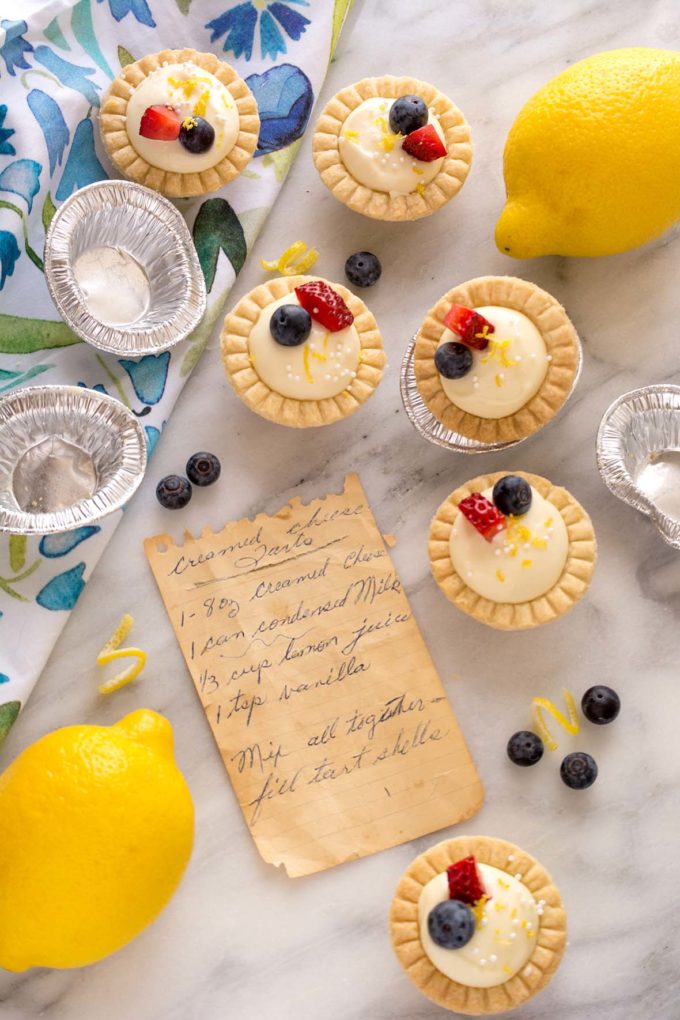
<point>323,699</point>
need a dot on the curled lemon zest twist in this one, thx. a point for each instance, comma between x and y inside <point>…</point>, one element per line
<point>571,725</point>
<point>296,259</point>
<point>112,651</point>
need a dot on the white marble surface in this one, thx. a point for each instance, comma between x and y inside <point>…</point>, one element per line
<point>241,941</point>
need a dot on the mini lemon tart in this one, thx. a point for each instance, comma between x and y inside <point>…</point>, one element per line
<point>478,925</point>
<point>512,550</point>
<point>180,122</point>
<point>392,148</point>
<point>500,374</point>
<point>301,351</point>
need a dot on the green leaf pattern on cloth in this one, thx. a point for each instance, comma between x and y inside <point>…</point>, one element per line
<point>64,57</point>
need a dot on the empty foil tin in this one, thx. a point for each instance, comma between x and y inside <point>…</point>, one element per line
<point>68,456</point>
<point>122,269</point>
<point>432,429</point>
<point>638,454</point>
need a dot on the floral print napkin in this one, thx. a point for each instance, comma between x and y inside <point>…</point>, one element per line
<point>56,60</point>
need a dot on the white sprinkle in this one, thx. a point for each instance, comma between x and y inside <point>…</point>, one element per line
<point>549,358</point>
<point>518,876</point>
<point>518,357</point>
<point>533,354</point>
<point>511,857</point>
<point>476,951</point>
<point>289,368</point>
<point>475,378</point>
<point>290,375</point>
<point>513,934</point>
<point>493,958</point>
<point>312,346</point>
<point>501,375</point>
<point>469,573</point>
<point>353,375</point>
<point>497,552</point>
<point>482,962</point>
<point>315,311</point>
<point>485,921</point>
<point>529,925</point>
<point>327,376</point>
<point>515,922</point>
<point>525,546</point>
<point>507,550</point>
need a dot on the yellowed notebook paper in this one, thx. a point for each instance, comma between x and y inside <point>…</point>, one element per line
<point>323,699</point>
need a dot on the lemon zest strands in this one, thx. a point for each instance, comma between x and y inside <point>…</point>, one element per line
<point>420,188</point>
<point>305,362</point>
<point>296,259</point>
<point>478,910</point>
<point>112,651</point>
<point>571,724</point>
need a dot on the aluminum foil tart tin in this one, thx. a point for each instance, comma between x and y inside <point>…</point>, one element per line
<point>122,269</point>
<point>432,429</point>
<point>68,456</point>
<point>638,454</point>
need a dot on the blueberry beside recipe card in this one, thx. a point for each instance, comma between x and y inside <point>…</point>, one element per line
<point>326,707</point>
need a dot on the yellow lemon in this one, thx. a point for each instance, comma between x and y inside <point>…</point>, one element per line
<point>592,162</point>
<point>96,828</point>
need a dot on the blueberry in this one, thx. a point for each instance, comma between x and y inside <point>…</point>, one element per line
<point>512,495</point>
<point>525,748</point>
<point>363,269</point>
<point>290,325</point>
<point>451,924</point>
<point>203,468</point>
<point>196,134</point>
<point>578,770</point>
<point>601,704</point>
<point>173,492</point>
<point>407,114</point>
<point>453,360</point>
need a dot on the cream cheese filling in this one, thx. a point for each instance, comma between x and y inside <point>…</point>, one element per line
<point>507,374</point>
<point>522,562</point>
<point>192,92</point>
<point>505,936</point>
<point>322,367</point>
<point>373,154</point>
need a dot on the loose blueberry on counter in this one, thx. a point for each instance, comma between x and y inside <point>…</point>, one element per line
<point>578,770</point>
<point>525,748</point>
<point>363,269</point>
<point>173,492</point>
<point>196,134</point>
<point>451,924</point>
<point>600,704</point>
<point>453,360</point>
<point>512,495</point>
<point>407,114</point>
<point>290,325</point>
<point>203,468</point>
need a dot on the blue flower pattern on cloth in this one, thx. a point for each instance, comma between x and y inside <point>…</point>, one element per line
<point>14,49</point>
<point>52,77</point>
<point>239,25</point>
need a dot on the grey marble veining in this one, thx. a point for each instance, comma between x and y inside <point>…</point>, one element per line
<point>241,941</point>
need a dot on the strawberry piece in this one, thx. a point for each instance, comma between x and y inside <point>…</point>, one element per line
<point>469,325</point>
<point>161,123</point>
<point>465,882</point>
<point>325,305</point>
<point>483,515</point>
<point>424,144</point>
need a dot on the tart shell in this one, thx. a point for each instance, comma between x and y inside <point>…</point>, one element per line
<point>112,124</point>
<point>565,593</point>
<point>405,928</point>
<point>285,410</point>
<point>379,204</point>
<point>559,336</point>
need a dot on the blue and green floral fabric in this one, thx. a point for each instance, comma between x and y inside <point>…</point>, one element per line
<point>57,57</point>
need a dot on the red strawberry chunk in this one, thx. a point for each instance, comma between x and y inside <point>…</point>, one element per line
<point>161,123</point>
<point>325,305</point>
<point>483,515</point>
<point>424,144</point>
<point>472,328</point>
<point>465,882</point>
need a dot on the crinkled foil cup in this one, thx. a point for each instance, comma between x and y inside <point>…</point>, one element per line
<point>638,454</point>
<point>432,429</point>
<point>68,456</point>
<point>149,235</point>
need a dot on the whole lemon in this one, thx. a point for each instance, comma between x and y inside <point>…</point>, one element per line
<point>96,829</point>
<point>592,162</point>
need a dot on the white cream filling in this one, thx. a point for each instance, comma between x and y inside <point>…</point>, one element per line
<point>191,91</point>
<point>321,367</point>
<point>522,562</point>
<point>373,154</point>
<point>503,940</point>
<point>507,374</point>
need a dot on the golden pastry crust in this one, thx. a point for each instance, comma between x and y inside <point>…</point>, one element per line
<point>559,336</point>
<point>405,929</point>
<point>378,204</point>
<point>565,593</point>
<point>285,410</point>
<point>112,123</point>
